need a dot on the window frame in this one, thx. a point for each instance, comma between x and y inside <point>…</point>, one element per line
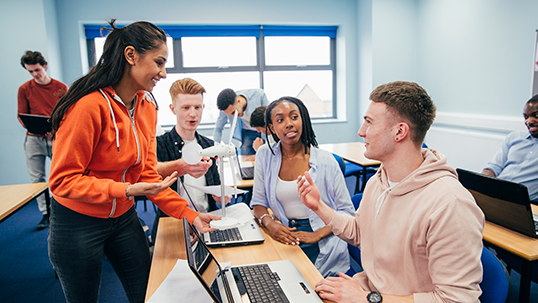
<point>257,31</point>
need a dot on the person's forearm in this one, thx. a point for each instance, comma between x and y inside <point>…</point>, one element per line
<point>167,168</point>
<point>325,213</point>
<point>488,172</point>
<point>323,232</point>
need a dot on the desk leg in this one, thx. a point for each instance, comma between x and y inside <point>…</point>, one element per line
<point>525,282</point>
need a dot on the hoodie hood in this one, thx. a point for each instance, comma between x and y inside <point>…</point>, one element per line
<point>435,166</point>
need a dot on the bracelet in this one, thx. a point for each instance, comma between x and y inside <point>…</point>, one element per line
<point>260,220</point>
<point>127,190</point>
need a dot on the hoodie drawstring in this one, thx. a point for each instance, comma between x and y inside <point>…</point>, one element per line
<point>380,200</point>
<point>113,120</point>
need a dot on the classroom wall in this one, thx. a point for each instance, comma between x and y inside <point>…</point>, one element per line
<point>71,15</point>
<point>473,57</point>
<point>22,29</point>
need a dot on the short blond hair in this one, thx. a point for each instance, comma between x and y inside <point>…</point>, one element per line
<point>185,86</point>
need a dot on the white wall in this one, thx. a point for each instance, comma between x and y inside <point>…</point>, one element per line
<point>22,29</point>
<point>475,59</point>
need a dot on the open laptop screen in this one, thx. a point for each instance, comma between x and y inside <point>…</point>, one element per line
<point>203,264</point>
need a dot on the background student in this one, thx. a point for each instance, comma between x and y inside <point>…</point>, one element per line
<point>104,154</point>
<point>517,159</point>
<point>245,102</point>
<point>275,187</point>
<point>38,96</point>
<point>188,106</point>
<point>418,228</point>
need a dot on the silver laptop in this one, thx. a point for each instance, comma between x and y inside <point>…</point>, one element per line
<point>503,202</point>
<point>278,281</point>
<point>246,233</point>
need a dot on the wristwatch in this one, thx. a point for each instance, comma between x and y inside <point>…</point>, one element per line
<point>374,297</point>
<point>263,216</point>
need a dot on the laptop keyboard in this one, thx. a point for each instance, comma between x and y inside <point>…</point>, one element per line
<point>261,284</point>
<point>225,235</point>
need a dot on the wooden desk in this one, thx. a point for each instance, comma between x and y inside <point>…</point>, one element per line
<point>352,152</point>
<point>522,247</point>
<point>170,246</point>
<point>14,197</point>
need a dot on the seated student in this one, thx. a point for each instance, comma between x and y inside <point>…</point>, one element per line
<point>245,102</point>
<point>516,161</point>
<point>257,120</point>
<point>418,228</point>
<point>187,105</point>
<point>275,187</point>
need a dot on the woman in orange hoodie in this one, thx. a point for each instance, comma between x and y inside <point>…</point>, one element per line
<point>104,155</point>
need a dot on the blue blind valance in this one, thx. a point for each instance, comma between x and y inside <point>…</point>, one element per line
<point>178,31</point>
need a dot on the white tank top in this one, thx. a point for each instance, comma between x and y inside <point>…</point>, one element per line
<point>286,194</point>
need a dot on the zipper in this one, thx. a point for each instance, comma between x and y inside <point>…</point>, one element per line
<point>138,154</point>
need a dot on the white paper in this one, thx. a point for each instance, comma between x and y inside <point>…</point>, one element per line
<point>240,211</point>
<point>215,190</point>
<point>181,285</point>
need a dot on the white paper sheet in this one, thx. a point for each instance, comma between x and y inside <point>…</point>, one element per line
<point>240,211</point>
<point>181,285</point>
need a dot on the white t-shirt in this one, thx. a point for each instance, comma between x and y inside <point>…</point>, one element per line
<point>286,194</point>
<point>199,197</point>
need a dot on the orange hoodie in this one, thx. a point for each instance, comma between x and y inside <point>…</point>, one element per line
<point>99,150</point>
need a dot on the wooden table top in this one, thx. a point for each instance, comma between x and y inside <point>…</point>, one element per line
<point>350,151</point>
<point>16,196</point>
<point>514,242</point>
<point>170,246</point>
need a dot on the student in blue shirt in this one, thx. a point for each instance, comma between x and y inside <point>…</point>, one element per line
<point>517,160</point>
<point>275,186</point>
<point>245,102</point>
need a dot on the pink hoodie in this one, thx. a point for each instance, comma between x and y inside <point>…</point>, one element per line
<point>421,237</point>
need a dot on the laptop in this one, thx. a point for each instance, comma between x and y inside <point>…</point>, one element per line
<point>248,232</point>
<point>36,124</point>
<point>245,173</point>
<point>278,281</point>
<point>503,202</point>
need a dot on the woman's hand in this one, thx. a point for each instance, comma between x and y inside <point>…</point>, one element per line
<point>150,189</point>
<point>281,233</point>
<point>306,237</point>
<point>202,222</point>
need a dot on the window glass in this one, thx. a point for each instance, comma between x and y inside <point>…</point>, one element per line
<point>218,51</point>
<point>314,88</point>
<point>297,51</point>
<point>100,43</point>
<point>213,83</point>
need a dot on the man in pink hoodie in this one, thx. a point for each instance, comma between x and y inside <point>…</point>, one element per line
<point>418,228</point>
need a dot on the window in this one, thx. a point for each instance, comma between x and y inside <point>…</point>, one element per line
<point>296,61</point>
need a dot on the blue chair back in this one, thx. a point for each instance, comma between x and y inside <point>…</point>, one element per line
<point>495,283</point>
<point>354,251</point>
<point>356,200</point>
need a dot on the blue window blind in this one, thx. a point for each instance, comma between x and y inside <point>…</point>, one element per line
<point>277,30</point>
<point>178,31</point>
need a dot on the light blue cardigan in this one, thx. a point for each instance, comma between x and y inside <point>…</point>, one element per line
<point>333,256</point>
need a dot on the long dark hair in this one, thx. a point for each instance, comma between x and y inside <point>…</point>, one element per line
<point>308,137</point>
<point>143,36</point>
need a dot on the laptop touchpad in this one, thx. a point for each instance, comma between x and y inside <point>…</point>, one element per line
<point>295,289</point>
